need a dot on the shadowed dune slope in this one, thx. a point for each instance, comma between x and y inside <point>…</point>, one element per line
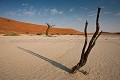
<point>8,25</point>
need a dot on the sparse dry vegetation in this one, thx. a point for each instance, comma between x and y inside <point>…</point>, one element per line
<point>39,34</point>
<point>11,34</point>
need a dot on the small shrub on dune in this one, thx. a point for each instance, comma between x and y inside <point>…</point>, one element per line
<point>39,34</point>
<point>27,32</point>
<point>11,34</point>
<point>57,34</point>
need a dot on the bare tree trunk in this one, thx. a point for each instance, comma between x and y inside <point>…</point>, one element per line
<point>47,29</point>
<point>92,42</point>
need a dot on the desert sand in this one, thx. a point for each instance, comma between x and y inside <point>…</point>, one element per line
<point>51,58</point>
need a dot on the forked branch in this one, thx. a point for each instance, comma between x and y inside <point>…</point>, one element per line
<point>84,54</point>
<point>85,44</point>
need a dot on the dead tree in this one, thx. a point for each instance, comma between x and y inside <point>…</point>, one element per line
<point>49,26</point>
<point>86,52</point>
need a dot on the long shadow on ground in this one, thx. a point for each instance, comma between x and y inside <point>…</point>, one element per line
<point>54,63</point>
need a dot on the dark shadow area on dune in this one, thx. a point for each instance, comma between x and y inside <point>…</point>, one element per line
<point>54,63</point>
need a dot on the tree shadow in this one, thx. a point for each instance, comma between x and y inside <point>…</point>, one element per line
<point>54,63</point>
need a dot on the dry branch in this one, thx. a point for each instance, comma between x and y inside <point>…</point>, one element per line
<point>84,54</point>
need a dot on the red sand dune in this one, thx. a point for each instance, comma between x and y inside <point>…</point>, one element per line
<point>8,25</point>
